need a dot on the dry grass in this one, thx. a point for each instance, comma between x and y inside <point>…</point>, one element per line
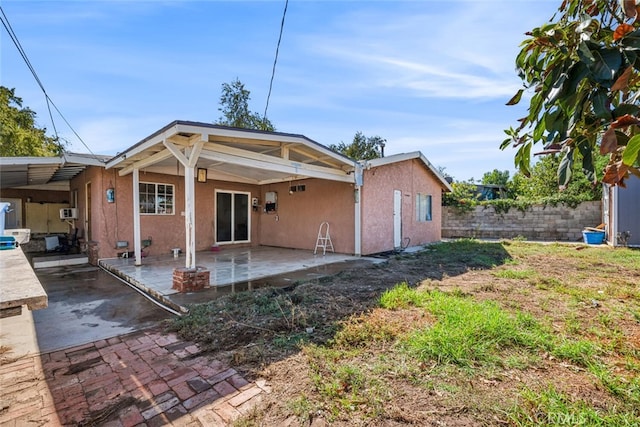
<point>550,333</point>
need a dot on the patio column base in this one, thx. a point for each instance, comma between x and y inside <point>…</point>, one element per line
<point>92,253</point>
<point>190,279</point>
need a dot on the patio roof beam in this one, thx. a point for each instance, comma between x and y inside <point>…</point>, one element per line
<point>284,151</point>
<point>286,179</point>
<point>253,160</point>
<point>242,135</point>
<point>176,153</point>
<point>297,169</point>
<point>149,161</point>
<point>312,158</point>
<point>140,148</point>
<point>216,174</point>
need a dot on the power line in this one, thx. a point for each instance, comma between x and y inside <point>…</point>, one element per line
<point>16,42</point>
<point>275,61</point>
<point>23,54</point>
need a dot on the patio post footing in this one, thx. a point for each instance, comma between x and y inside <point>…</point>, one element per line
<point>190,279</point>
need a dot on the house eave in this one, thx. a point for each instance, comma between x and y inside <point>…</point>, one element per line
<point>395,158</point>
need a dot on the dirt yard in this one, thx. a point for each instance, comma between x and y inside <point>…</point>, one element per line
<point>504,333</point>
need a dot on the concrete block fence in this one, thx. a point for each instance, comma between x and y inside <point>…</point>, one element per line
<point>538,222</point>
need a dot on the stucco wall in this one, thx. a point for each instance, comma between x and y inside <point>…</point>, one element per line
<point>112,222</point>
<point>295,223</point>
<point>559,223</point>
<point>410,177</point>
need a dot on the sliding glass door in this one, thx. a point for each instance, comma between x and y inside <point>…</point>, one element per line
<point>233,223</point>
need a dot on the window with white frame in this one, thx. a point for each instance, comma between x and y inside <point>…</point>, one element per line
<point>423,207</point>
<point>156,199</point>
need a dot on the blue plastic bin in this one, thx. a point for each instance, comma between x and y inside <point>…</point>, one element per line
<point>593,237</point>
<point>8,242</point>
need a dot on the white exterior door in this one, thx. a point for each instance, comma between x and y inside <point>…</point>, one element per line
<point>397,218</point>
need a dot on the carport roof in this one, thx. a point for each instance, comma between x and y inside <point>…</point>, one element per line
<point>234,154</point>
<point>23,171</point>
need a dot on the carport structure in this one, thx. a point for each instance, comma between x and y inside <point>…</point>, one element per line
<point>212,152</point>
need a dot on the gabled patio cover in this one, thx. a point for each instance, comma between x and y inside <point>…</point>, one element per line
<point>228,154</point>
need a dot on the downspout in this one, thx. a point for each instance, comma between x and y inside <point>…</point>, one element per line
<point>358,178</point>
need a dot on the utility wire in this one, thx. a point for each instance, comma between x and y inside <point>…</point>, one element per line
<point>275,61</point>
<point>16,42</point>
<point>23,54</point>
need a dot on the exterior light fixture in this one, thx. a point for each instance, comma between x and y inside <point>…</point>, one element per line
<point>202,175</point>
<point>111,193</point>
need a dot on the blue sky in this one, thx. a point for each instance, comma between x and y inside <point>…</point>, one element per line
<point>425,75</point>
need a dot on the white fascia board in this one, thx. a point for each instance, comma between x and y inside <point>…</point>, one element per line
<point>394,158</point>
<point>53,161</point>
<point>436,172</point>
<point>25,161</point>
<point>137,149</point>
<point>82,159</point>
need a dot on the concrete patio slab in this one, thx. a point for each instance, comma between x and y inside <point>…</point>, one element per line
<point>85,304</point>
<point>228,267</point>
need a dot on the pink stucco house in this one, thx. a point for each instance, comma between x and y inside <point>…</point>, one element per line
<point>196,185</point>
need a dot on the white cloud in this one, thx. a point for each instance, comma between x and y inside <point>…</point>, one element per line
<point>426,51</point>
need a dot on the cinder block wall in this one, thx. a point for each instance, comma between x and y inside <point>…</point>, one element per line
<point>550,223</point>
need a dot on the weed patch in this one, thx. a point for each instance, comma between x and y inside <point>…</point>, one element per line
<point>468,332</point>
<point>514,274</point>
<point>345,387</point>
<point>379,345</point>
<point>551,407</point>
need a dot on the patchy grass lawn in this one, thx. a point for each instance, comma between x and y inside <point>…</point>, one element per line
<point>462,333</point>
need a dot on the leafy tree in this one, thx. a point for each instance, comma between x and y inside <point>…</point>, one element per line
<point>464,196</point>
<point>543,183</point>
<point>362,147</point>
<point>234,102</point>
<point>495,177</point>
<point>19,135</point>
<point>583,67</point>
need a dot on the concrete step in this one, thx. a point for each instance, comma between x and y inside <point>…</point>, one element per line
<point>59,260</point>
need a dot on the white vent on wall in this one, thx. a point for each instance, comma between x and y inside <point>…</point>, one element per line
<point>68,213</point>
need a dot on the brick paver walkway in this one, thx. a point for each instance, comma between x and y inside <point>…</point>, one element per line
<point>144,379</point>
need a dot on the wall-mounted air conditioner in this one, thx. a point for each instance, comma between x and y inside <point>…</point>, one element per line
<point>68,213</point>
